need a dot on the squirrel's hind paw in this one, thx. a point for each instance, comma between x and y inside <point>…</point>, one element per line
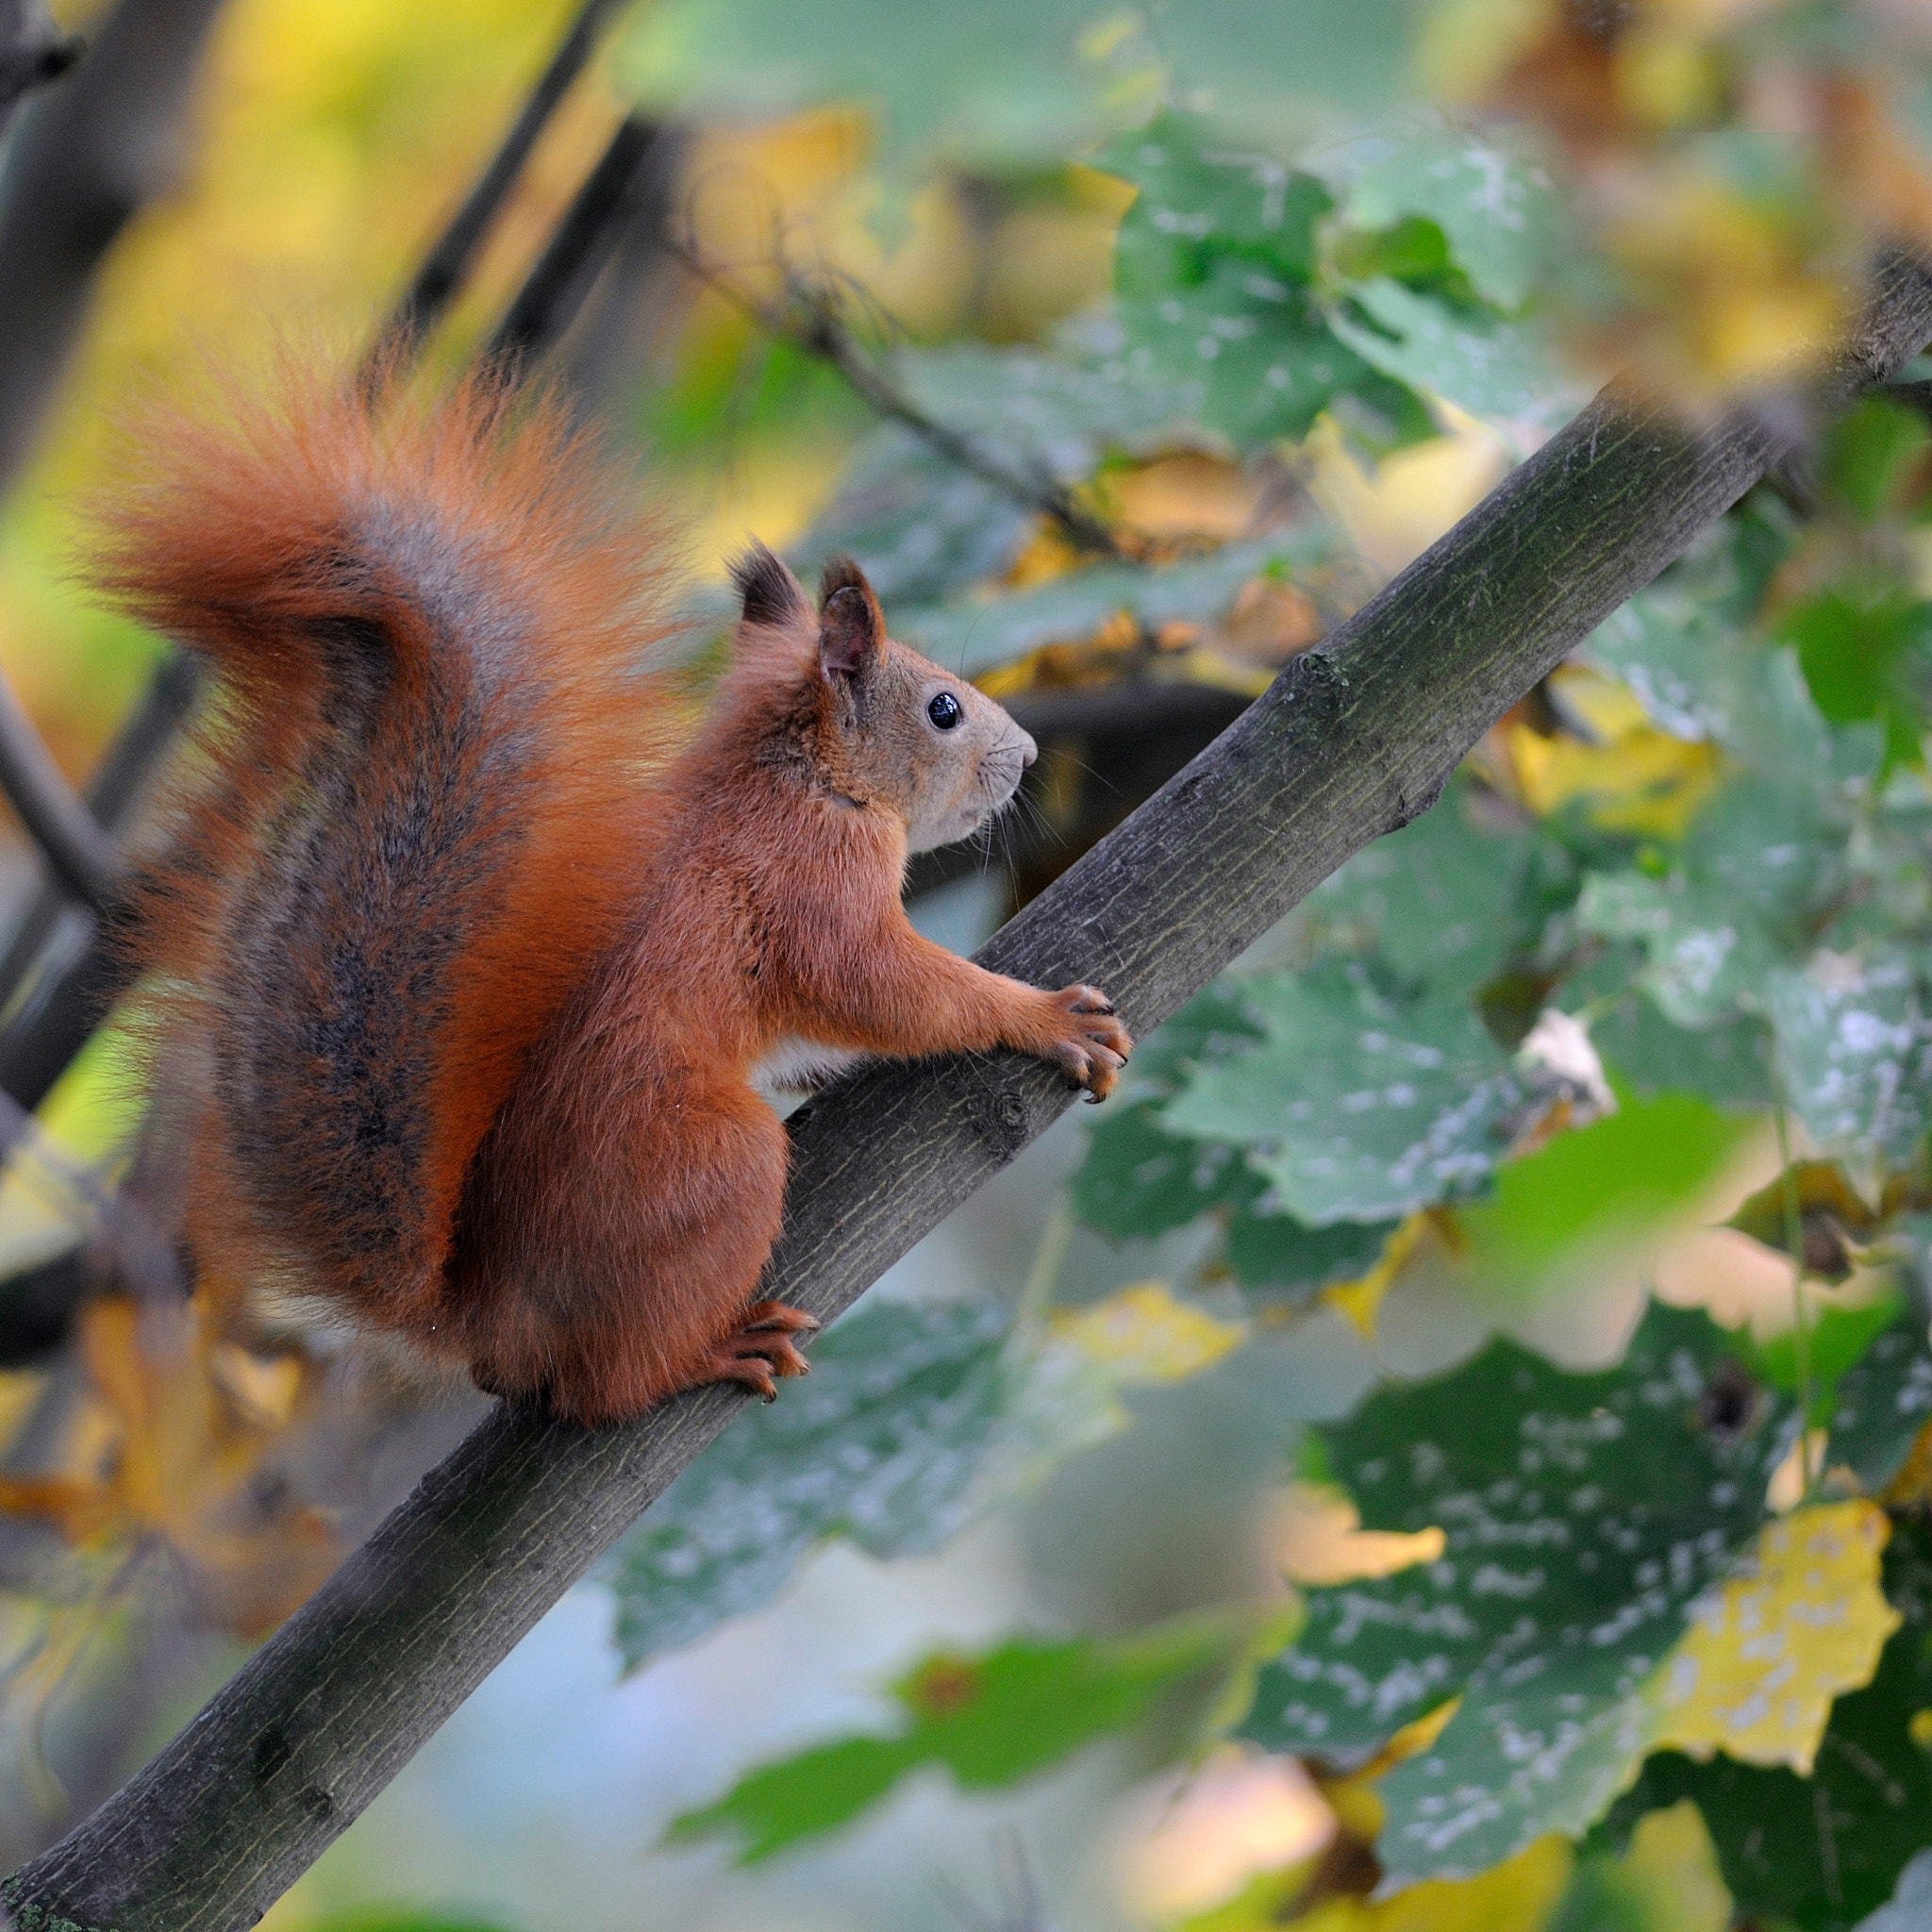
<point>762,1349</point>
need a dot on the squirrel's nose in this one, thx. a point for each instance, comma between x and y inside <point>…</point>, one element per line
<point>1029,751</point>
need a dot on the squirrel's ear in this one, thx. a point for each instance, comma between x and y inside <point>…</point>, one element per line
<point>771,594</point>
<point>852,628</point>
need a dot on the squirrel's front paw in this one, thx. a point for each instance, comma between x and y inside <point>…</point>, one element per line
<point>1094,1046</point>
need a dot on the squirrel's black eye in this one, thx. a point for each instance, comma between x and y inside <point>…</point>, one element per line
<point>944,710</point>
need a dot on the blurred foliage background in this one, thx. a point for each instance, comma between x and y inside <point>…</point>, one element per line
<point>1447,1447</point>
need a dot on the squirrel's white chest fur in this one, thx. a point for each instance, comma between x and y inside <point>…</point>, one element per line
<point>795,1065</point>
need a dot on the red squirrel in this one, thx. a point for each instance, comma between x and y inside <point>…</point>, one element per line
<point>473,962</point>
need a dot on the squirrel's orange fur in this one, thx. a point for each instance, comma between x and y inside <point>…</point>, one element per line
<point>473,962</point>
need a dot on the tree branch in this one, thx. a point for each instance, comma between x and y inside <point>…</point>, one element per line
<point>84,160</point>
<point>33,51</point>
<point>449,258</point>
<point>809,319</point>
<point>565,273</point>
<point>1353,739</point>
<point>79,853</point>
<point>118,783</point>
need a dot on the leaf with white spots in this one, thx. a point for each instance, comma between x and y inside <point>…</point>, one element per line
<point>1356,1107</point>
<point>1854,1042</point>
<point>1214,265</point>
<point>1584,1515</point>
<point>1502,370</point>
<point>1498,211</point>
<point>1436,901</point>
<point>920,527</point>
<point>1761,864</point>
<point>924,528</point>
<point>1879,1403</point>
<point>1801,1621</point>
<point>1206,193</point>
<point>1705,953</point>
<point>1256,356</point>
<point>915,1421</point>
<point>1821,1853</point>
<point>882,1442</point>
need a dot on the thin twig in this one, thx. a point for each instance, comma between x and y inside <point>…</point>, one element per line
<point>582,243</point>
<point>450,256</point>
<point>807,317</point>
<point>120,782</point>
<point>80,855</point>
<point>1801,1325</point>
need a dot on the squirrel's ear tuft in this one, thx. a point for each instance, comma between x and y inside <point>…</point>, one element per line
<point>852,628</point>
<point>771,594</point>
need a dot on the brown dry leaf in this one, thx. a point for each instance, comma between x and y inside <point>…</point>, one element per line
<point>81,1511</point>
<point>1188,495</point>
<point>1881,174</point>
<point>1270,621</point>
<point>165,1453</point>
<point>1833,1219</point>
<point>262,1389</point>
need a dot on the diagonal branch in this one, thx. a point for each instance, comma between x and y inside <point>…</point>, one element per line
<point>121,782</point>
<point>1354,738</point>
<point>567,270</point>
<point>449,257</point>
<point>79,854</point>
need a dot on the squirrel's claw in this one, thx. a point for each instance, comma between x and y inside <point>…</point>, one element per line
<point>762,1349</point>
<point>1094,1046</point>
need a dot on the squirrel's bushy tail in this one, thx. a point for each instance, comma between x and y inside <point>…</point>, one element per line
<point>423,782</point>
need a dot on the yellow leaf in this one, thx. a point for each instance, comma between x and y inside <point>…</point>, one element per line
<point>1646,782</point>
<point>1519,1895</point>
<point>1668,79</point>
<point>1671,1874</point>
<point>1141,1334</point>
<point>1464,48</point>
<point>1238,1812</point>
<point>1667,1881</point>
<point>1412,496</point>
<point>263,1388</point>
<point>1318,1539</point>
<point>1361,1300</point>
<point>1755,1673</point>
